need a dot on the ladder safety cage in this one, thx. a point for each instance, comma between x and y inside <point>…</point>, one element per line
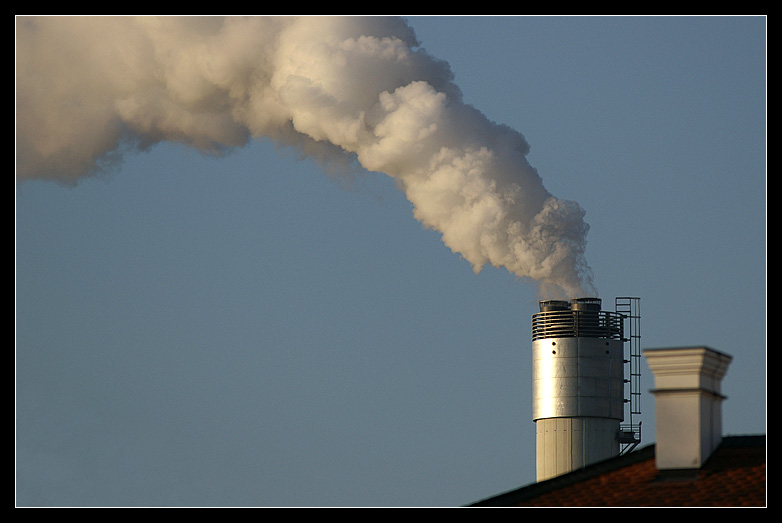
<point>630,310</point>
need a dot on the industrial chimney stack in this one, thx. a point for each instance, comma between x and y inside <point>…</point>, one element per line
<point>578,361</point>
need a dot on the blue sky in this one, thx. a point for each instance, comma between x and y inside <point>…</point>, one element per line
<point>251,329</point>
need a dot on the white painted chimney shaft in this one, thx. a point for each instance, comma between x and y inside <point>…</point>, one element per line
<point>688,402</point>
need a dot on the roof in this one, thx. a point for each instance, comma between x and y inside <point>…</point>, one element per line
<point>734,476</point>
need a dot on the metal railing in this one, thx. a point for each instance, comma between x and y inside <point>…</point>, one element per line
<point>629,437</point>
<point>576,323</point>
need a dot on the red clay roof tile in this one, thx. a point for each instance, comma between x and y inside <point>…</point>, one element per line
<point>734,476</point>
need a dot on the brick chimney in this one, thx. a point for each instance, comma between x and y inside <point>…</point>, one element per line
<point>688,404</point>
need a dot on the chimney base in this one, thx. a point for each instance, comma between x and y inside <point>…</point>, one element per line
<point>567,444</point>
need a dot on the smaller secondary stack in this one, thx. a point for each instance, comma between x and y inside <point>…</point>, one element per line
<point>579,380</point>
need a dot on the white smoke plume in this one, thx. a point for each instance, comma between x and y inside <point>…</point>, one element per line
<point>89,89</point>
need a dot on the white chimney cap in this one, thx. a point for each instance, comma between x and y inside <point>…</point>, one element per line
<point>688,404</point>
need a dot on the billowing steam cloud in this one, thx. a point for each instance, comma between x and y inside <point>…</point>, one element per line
<point>89,89</point>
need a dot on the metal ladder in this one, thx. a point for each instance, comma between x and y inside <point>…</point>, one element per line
<point>630,309</point>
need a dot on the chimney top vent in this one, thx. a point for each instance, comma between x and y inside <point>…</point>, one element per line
<point>554,305</point>
<point>585,304</point>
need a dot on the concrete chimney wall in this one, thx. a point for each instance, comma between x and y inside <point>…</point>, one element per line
<point>688,404</point>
